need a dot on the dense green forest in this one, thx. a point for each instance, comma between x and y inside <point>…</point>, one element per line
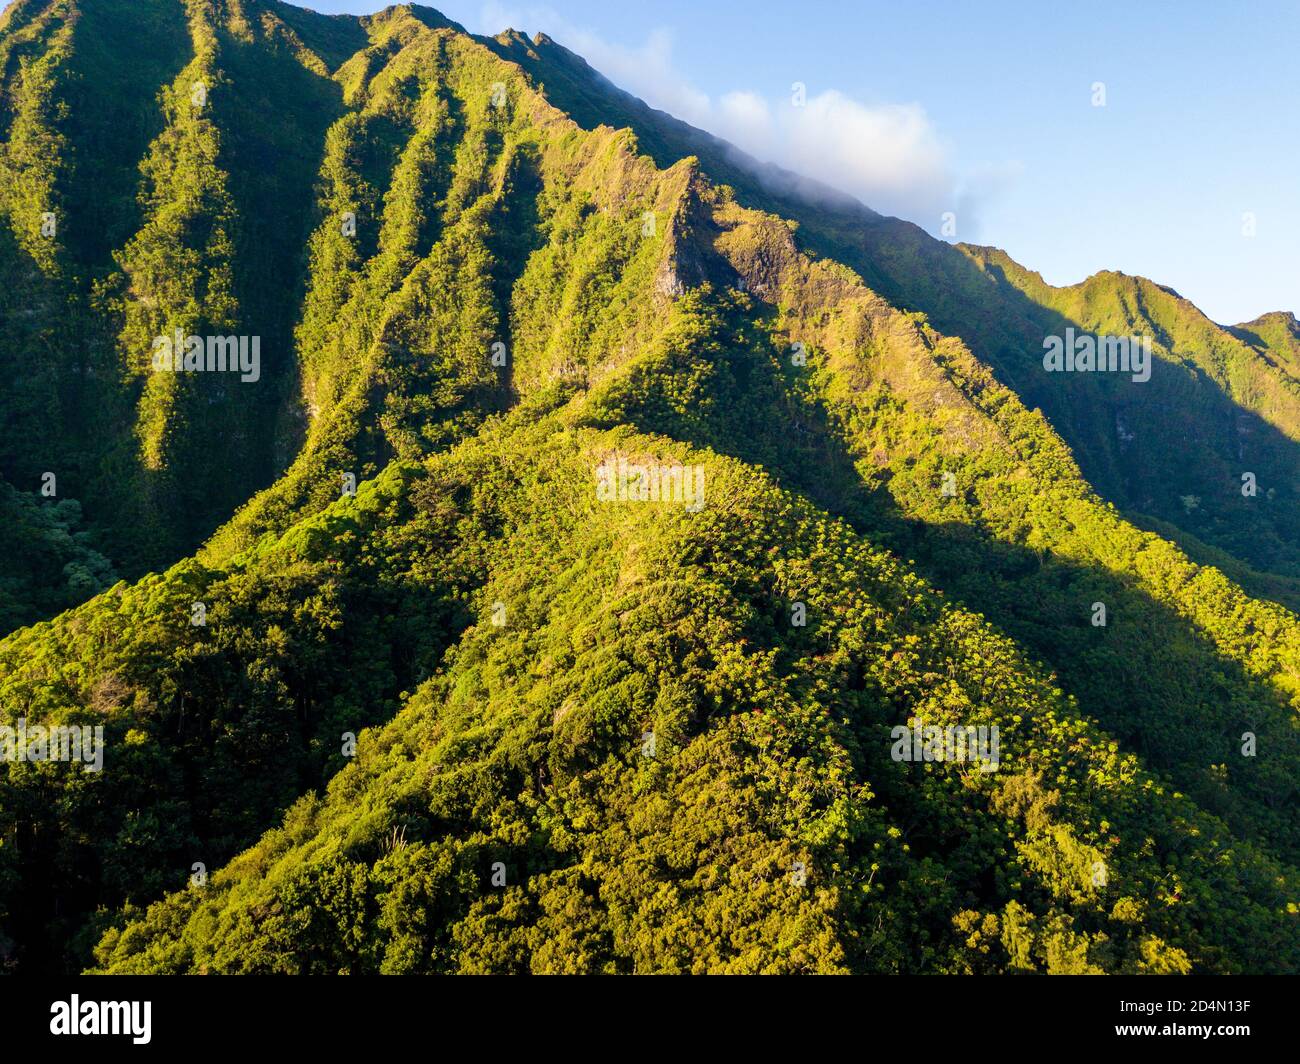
<point>387,684</point>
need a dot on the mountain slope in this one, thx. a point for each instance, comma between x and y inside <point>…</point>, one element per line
<point>478,303</point>
<point>532,827</point>
<point>1233,406</point>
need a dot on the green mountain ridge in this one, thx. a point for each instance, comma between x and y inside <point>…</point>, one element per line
<point>546,276</point>
<point>1003,311</point>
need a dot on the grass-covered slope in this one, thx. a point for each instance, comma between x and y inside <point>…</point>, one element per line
<point>1221,402</point>
<point>645,766</point>
<point>153,168</point>
<point>592,734</point>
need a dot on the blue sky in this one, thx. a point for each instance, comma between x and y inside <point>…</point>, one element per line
<point>987,111</point>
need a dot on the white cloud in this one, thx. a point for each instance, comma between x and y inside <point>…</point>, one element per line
<point>890,156</point>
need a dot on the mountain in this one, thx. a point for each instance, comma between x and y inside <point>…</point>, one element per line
<point>1231,394</point>
<point>402,674</point>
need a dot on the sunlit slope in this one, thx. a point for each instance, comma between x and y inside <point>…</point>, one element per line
<point>1221,402</point>
<point>481,303</point>
<point>633,761</point>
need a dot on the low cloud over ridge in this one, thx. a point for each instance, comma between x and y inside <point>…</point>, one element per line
<point>888,155</point>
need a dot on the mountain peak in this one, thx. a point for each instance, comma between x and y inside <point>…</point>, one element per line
<point>1285,318</point>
